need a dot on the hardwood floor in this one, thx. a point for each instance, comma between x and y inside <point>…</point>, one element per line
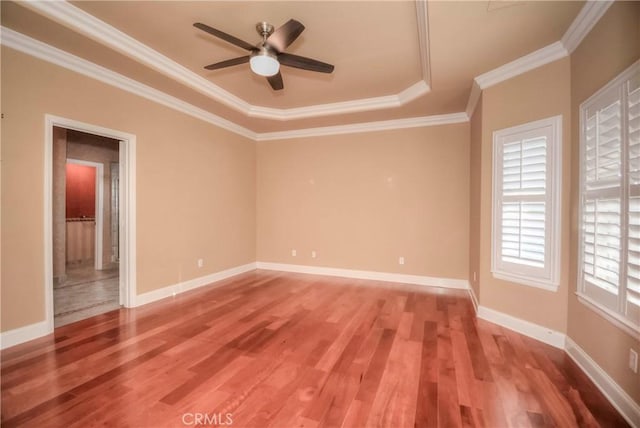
<point>286,350</point>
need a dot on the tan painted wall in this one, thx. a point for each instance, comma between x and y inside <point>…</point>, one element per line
<point>475,181</point>
<point>58,203</point>
<point>538,94</point>
<point>611,46</point>
<point>195,183</point>
<point>197,189</point>
<point>363,200</point>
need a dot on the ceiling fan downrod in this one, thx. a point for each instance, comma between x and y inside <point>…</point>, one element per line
<point>264,29</point>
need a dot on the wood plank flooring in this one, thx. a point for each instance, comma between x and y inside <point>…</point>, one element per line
<point>268,349</point>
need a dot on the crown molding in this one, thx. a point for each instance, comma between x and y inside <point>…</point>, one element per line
<point>84,23</point>
<point>366,104</point>
<point>422,17</point>
<point>588,16</point>
<point>56,56</point>
<point>40,50</point>
<point>413,122</point>
<point>474,96</point>
<point>546,55</point>
<point>413,92</point>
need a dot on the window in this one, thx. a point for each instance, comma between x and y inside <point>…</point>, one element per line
<point>526,203</point>
<point>609,247</point>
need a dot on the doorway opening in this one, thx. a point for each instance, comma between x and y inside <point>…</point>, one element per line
<point>86,274</point>
<point>89,221</point>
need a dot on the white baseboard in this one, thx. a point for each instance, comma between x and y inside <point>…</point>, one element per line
<point>474,299</point>
<point>181,287</point>
<point>24,334</point>
<point>36,330</point>
<point>618,398</point>
<point>543,334</point>
<point>362,274</point>
<point>612,391</point>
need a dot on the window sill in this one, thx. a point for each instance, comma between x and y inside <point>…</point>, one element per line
<point>524,280</point>
<point>614,318</point>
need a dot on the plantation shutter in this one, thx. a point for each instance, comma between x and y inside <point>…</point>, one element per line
<point>602,202</point>
<point>523,201</point>
<point>525,234</point>
<point>633,244</point>
<point>609,278</point>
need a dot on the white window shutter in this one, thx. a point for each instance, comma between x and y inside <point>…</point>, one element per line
<point>602,199</point>
<point>609,278</point>
<point>525,234</point>
<point>633,243</point>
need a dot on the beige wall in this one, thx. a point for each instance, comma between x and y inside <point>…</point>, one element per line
<point>58,203</point>
<point>557,88</point>
<point>611,46</point>
<point>195,183</point>
<point>359,200</point>
<point>363,200</point>
<point>538,94</point>
<point>475,182</point>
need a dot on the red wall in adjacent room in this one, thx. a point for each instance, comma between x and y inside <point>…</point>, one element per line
<point>81,191</point>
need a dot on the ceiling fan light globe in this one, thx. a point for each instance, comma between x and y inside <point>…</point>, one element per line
<point>264,65</point>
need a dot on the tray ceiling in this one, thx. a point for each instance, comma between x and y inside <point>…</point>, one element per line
<point>385,66</point>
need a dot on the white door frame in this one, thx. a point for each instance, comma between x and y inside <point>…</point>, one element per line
<point>127,209</point>
<point>99,206</point>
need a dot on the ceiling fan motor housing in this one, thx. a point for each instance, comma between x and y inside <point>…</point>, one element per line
<point>264,29</point>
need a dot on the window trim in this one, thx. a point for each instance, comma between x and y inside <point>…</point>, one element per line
<point>615,317</point>
<point>551,279</point>
<point>611,316</point>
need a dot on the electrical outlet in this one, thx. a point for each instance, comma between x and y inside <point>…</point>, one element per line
<point>400,260</point>
<point>294,253</point>
<point>200,263</point>
<point>313,254</point>
<point>633,360</point>
<point>475,276</point>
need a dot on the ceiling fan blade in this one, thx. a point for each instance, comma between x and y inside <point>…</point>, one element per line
<point>276,81</point>
<point>224,36</point>
<point>304,63</point>
<point>285,35</point>
<point>228,63</point>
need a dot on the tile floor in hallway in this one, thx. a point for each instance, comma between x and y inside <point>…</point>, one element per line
<point>86,292</point>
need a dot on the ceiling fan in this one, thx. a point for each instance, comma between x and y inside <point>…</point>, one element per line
<point>268,55</point>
